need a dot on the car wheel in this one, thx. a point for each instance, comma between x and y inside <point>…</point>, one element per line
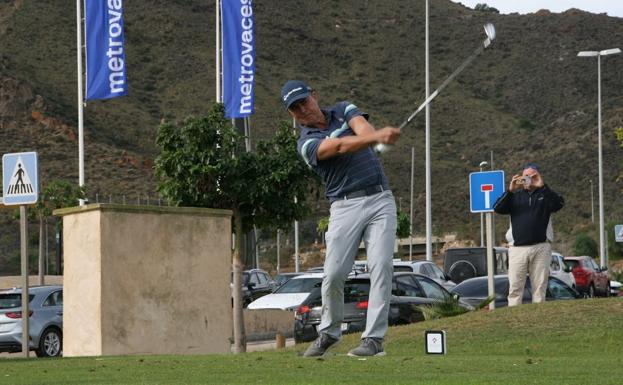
<point>50,343</point>
<point>591,291</point>
<point>608,288</point>
<point>462,270</point>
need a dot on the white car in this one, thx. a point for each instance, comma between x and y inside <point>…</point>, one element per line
<point>289,295</point>
<point>427,268</point>
<point>558,269</point>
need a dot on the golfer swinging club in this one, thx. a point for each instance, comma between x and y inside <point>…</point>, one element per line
<point>337,144</point>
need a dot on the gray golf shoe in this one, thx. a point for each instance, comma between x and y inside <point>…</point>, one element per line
<point>320,345</point>
<point>369,347</point>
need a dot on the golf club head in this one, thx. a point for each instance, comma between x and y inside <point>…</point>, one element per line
<point>490,31</point>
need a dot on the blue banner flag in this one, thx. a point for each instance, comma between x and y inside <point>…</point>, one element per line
<point>106,72</point>
<point>238,57</point>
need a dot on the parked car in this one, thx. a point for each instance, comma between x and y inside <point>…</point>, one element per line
<point>289,295</point>
<point>476,290</point>
<point>559,269</point>
<point>409,290</point>
<point>256,283</point>
<point>282,278</point>
<point>615,289</point>
<point>427,268</point>
<point>469,262</point>
<point>45,320</point>
<point>590,279</point>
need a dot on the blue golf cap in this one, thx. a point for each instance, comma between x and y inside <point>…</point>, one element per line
<point>533,166</point>
<point>294,90</point>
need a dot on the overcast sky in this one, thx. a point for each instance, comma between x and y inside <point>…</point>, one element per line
<point>611,7</point>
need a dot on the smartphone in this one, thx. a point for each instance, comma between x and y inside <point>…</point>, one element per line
<point>526,180</point>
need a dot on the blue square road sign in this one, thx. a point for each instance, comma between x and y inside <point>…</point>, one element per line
<point>484,189</point>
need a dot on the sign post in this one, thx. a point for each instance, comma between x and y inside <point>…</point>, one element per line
<point>20,186</point>
<point>484,189</point>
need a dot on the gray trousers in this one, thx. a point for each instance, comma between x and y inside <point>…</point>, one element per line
<point>373,220</point>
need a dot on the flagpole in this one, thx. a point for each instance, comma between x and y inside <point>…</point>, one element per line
<point>218,51</point>
<point>80,99</point>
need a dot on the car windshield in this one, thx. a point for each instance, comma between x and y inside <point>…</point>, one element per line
<point>356,291</point>
<point>12,300</point>
<point>401,268</point>
<point>572,263</point>
<point>559,290</point>
<point>280,279</point>
<point>299,285</point>
<point>245,278</point>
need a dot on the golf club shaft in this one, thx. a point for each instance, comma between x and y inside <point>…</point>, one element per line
<point>443,85</point>
<point>384,147</point>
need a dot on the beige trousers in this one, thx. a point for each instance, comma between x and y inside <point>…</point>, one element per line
<point>533,260</point>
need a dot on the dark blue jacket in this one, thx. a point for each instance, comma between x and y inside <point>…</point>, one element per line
<point>530,212</point>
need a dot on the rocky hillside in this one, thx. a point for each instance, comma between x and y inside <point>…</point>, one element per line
<point>529,98</point>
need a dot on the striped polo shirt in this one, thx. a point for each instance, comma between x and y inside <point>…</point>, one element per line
<point>344,173</point>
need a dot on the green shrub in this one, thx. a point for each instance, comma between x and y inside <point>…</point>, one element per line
<point>585,245</point>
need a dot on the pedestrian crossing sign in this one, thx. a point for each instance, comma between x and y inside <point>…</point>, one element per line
<point>618,233</point>
<point>20,181</point>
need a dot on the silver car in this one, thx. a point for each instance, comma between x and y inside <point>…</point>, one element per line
<point>427,268</point>
<point>45,323</point>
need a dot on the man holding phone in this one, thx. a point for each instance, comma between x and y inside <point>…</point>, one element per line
<point>530,203</point>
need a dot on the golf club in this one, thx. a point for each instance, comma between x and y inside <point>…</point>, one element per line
<point>490,32</point>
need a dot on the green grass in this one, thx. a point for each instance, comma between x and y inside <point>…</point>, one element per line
<point>567,342</point>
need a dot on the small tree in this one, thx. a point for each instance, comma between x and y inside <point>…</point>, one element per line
<point>201,164</point>
<point>483,7</point>
<point>403,228</point>
<point>322,227</point>
<point>585,245</point>
<point>618,133</point>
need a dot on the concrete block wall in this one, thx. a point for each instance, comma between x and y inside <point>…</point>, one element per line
<point>146,280</point>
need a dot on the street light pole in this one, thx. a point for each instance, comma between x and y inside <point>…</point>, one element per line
<point>592,203</point>
<point>429,220</point>
<point>600,192</point>
<point>411,207</point>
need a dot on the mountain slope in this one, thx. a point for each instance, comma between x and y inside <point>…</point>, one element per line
<point>528,98</point>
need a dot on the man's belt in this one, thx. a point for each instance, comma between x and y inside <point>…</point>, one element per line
<point>365,192</point>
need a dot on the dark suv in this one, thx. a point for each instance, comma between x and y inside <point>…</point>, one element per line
<point>256,283</point>
<point>469,262</point>
<point>409,290</point>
